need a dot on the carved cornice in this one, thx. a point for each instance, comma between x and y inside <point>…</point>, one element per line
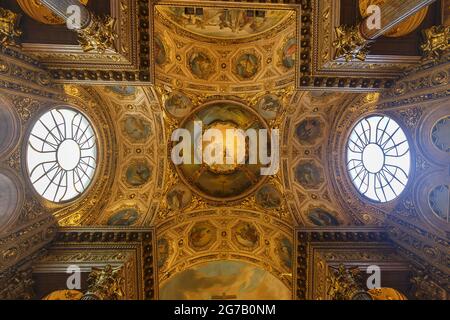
<point>308,239</point>
<point>95,247</point>
<point>130,62</point>
<point>16,283</point>
<point>21,74</point>
<point>323,71</point>
<point>25,240</point>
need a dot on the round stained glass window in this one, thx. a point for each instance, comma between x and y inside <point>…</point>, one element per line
<point>378,158</point>
<point>62,154</point>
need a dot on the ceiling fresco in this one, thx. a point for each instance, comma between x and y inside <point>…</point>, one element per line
<point>220,280</point>
<point>192,63</point>
<point>226,230</point>
<point>222,181</point>
<point>223,23</point>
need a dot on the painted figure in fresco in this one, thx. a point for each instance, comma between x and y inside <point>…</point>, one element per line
<point>125,217</point>
<point>163,252</point>
<point>269,106</point>
<point>137,128</point>
<point>178,105</point>
<point>322,218</point>
<point>284,250</point>
<point>160,52</point>
<point>247,235</point>
<point>201,235</point>
<point>138,174</point>
<point>247,66</point>
<point>201,65</point>
<point>309,130</point>
<point>268,197</point>
<point>308,175</point>
<point>178,198</point>
<point>290,53</point>
<point>123,90</point>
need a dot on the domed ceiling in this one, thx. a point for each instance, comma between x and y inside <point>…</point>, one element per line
<point>222,181</point>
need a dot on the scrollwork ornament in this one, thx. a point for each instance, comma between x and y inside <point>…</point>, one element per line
<point>105,284</point>
<point>350,44</point>
<point>99,35</point>
<point>436,42</point>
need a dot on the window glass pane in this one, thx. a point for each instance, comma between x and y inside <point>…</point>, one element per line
<point>62,154</point>
<point>378,158</point>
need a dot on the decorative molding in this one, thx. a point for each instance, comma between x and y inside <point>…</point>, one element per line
<point>133,249</point>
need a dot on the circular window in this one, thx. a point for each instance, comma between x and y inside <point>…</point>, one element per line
<point>440,134</point>
<point>378,158</point>
<point>62,154</point>
<point>439,200</point>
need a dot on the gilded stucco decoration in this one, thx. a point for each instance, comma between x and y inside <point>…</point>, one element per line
<point>137,115</point>
<point>223,23</point>
<point>9,31</point>
<point>216,234</point>
<point>212,53</point>
<point>305,169</point>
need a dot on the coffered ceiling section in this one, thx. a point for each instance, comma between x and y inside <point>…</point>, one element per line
<point>229,49</point>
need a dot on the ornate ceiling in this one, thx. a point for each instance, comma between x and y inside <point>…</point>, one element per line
<point>238,66</point>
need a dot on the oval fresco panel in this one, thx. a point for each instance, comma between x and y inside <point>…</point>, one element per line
<point>123,90</point>
<point>268,197</point>
<point>309,175</point>
<point>220,280</point>
<point>289,54</point>
<point>126,217</point>
<point>284,250</point>
<point>247,66</point>
<point>160,52</point>
<point>163,252</point>
<point>246,234</point>
<point>269,106</point>
<point>202,235</point>
<point>224,23</point>
<point>136,128</point>
<point>322,218</point>
<point>138,174</point>
<point>179,197</point>
<point>201,65</point>
<point>309,131</point>
<point>178,105</point>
